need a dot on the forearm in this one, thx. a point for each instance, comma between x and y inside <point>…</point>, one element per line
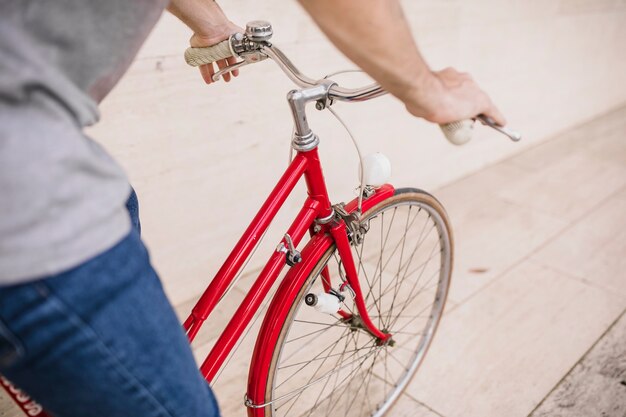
<point>376,36</point>
<point>205,17</point>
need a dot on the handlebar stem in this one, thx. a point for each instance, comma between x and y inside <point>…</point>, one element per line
<point>304,139</point>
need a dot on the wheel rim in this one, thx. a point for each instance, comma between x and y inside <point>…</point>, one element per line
<point>327,366</point>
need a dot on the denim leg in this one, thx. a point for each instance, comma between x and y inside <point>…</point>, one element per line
<point>102,340</point>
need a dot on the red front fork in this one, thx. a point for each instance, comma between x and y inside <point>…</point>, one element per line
<point>345,252</point>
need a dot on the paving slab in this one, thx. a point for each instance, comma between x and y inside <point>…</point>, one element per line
<point>593,249</point>
<point>501,351</point>
<point>597,385</point>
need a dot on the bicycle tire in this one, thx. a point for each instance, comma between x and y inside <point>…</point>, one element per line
<point>320,400</point>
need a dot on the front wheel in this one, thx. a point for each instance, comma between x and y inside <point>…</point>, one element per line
<point>327,365</point>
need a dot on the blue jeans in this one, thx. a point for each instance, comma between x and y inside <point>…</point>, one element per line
<point>102,340</point>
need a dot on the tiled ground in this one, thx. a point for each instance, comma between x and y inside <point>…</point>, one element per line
<point>539,287</point>
<point>548,226</point>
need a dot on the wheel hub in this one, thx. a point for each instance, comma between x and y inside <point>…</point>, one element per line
<point>356,323</point>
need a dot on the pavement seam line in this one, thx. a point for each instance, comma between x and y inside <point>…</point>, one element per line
<point>423,404</point>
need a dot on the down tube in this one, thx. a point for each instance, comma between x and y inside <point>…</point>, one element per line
<point>244,246</point>
<point>257,294</point>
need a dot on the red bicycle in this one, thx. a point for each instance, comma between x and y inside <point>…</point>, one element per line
<point>358,308</point>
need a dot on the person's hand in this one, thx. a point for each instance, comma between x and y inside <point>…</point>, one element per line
<point>449,96</point>
<point>212,37</point>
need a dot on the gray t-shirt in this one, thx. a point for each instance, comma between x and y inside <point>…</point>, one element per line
<point>62,196</point>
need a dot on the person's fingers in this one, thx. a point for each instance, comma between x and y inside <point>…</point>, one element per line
<point>206,72</point>
<point>448,71</point>
<point>222,63</point>
<point>232,61</point>
<point>494,113</point>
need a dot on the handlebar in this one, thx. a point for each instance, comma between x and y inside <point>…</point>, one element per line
<point>254,47</point>
<point>201,56</point>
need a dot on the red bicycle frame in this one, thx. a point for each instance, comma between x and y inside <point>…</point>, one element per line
<point>316,206</point>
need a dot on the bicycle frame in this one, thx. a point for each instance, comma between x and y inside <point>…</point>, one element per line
<point>316,206</point>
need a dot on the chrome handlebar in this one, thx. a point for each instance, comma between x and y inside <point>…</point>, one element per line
<point>301,80</point>
<point>254,47</point>
<point>252,52</point>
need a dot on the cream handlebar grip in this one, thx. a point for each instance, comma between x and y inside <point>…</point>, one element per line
<point>458,133</point>
<point>201,56</point>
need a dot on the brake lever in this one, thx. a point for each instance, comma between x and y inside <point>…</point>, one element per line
<point>511,134</point>
<point>249,58</point>
<point>230,68</point>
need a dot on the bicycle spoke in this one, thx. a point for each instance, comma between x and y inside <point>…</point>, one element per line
<point>390,256</point>
<point>333,391</point>
<point>406,228</point>
<point>347,385</point>
<point>321,378</point>
<point>319,396</point>
<point>418,245</point>
<point>365,386</point>
<point>311,322</point>
<point>416,282</point>
<point>310,379</point>
<point>331,347</point>
<point>405,276</point>
<point>319,359</point>
<point>411,292</point>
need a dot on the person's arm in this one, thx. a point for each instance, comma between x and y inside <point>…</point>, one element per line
<point>376,36</point>
<point>210,26</point>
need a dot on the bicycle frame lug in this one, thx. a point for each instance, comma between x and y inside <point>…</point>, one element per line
<point>325,220</point>
<point>305,143</point>
<point>354,228</point>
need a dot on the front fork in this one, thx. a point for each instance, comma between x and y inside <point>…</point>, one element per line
<point>339,234</point>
